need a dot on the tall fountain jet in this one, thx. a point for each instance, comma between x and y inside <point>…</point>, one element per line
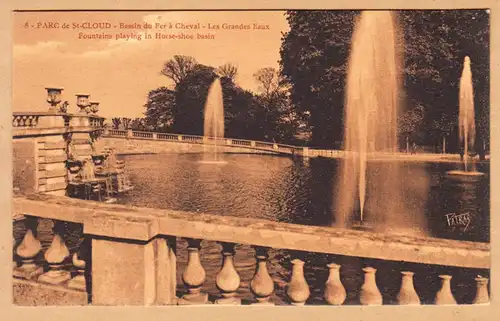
<point>466,125</point>
<point>213,127</point>
<point>466,122</point>
<point>370,126</point>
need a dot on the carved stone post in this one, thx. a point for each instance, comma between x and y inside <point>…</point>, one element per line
<point>298,290</point>
<point>228,280</point>
<point>444,295</point>
<point>335,292</point>
<point>407,294</point>
<point>370,294</point>
<point>55,256</point>
<point>27,250</point>
<point>481,291</point>
<point>194,276</point>
<point>262,285</point>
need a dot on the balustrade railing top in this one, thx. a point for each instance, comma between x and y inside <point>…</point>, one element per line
<point>145,223</point>
<point>46,123</point>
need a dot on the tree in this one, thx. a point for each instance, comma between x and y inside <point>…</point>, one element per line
<point>228,71</point>
<point>410,125</point>
<point>178,68</point>
<point>125,121</point>
<point>138,124</point>
<point>116,122</point>
<point>160,108</point>
<point>314,55</point>
<point>275,108</point>
<point>190,96</point>
<point>269,80</point>
<point>313,61</point>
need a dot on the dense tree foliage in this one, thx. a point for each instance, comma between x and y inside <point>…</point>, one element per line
<point>264,116</point>
<point>314,56</point>
<point>307,93</point>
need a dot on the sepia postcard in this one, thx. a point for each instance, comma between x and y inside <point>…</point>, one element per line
<point>199,161</point>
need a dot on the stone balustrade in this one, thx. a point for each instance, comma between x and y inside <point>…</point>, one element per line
<point>129,256</point>
<point>275,148</point>
<point>194,139</point>
<point>30,124</point>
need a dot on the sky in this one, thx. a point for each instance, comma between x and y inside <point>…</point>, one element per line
<point>50,49</point>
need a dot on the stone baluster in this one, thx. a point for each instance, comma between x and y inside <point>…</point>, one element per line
<point>335,292</point>
<point>481,291</point>
<point>298,290</point>
<point>228,280</point>
<point>55,256</point>
<point>262,285</point>
<point>27,251</point>
<point>407,294</point>
<point>78,282</point>
<point>444,295</point>
<point>370,294</point>
<point>194,276</point>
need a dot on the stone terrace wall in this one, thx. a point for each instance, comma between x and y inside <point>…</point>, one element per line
<point>143,146</point>
<point>24,164</point>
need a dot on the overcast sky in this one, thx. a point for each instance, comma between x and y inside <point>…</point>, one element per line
<point>120,73</point>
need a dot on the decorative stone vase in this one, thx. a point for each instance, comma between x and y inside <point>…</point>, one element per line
<point>370,294</point>
<point>82,101</point>
<point>482,296</point>
<point>98,159</point>
<point>444,295</point>
<point>53,97</point>
<point>407,294</point>
<point>335,292</point>
<point>228,280</point>
<point>94,107</point>
<point>74,166</point>
<point>262,285</point>
<point>298,289</point>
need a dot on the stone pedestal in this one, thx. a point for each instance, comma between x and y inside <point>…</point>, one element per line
<point>51,163</point>
<point>133,273</point>
<point>52,121</point>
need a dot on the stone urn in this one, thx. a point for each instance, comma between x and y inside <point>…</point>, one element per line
<point>98,159</point>
<point>74,166</point>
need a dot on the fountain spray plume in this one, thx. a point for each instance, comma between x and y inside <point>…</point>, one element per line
<point>466,117</point>
<point>370,123</point>
<point>214,114</point>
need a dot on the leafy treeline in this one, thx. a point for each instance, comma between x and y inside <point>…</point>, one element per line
<point>306,96</point>
<point>314,56</point>
<point>267,115</point>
